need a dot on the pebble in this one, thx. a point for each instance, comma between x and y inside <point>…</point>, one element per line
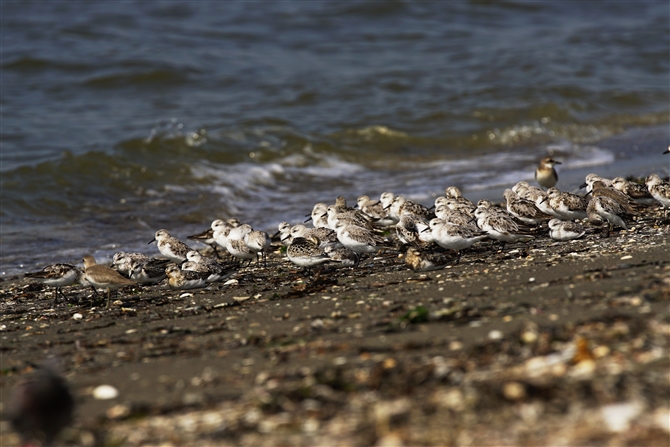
<point>77,316</point>
<point>105,392</point>
<point>514,391</point>
<point>617,417</point>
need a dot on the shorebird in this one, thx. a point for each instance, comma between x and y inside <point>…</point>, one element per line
<point>605,209</point>
<point>499,224</point>
<point>374,209</point>
<point>560,230</point>
<point>523,209</point>
<point>207,236</point>
<point>422,261</point>
<point>104,277</point>
<point>456,200</point>
<point>545,174</point>
<point>210,269</point>
<point>40,406</point>
<point>326,236</point>
<point>260,243</point>
<point>57,275</point>
<point>342,255</point>
<point>122,261</point>
<point>659,189</point>
<point>565,205</point>
<point>359,239</point>
<point>454,237</point>
<point>406,229</point>
<point>635,191</point>
<point>319,216</point>
<point>149,271</point>
<point>401,206</point>
<point>185,279</point>
<point>306,252</point>
<point>171,247</point>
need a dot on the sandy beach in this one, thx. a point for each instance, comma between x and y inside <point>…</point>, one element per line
<point>544,343</point>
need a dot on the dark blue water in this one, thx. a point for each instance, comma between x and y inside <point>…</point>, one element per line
<point>119,118</point>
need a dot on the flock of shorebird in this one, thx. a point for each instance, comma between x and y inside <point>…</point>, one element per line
<point>41,405</point>
<point>341,235</point>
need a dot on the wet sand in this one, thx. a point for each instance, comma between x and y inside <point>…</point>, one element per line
<point>543,343</point>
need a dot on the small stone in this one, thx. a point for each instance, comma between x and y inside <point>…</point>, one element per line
<point>514,391</point>
<point>495,335</point>
<point>617,417</point>
<point>77,316</point>
<point>118,412</point>
<point>105,392</point>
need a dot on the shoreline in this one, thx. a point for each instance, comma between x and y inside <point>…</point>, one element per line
<point>544,343</point>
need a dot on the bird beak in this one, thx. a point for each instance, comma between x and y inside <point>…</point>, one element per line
<point>432,207</point>
<point>544,199</point>
<point>557,162</point>
<point>276,234</point>
<point>425,229</point>
<point>152,240</point>
<point>388,206</point>
<point>584,185</point>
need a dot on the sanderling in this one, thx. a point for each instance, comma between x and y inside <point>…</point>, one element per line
<point>260,243</point>
<point>422,261</point>
<point>523,209</point>
<point>149,271</point>
<point>240,250</point>
<point>240,231</point>
<point>185,279</point>
<point>207,236</point>
<point>401,205</point>
<point>545,174</point>
<point>283,232</point>
<point>590,179</point>
<point>358,239</point>
<point>454,237</point>
<point>326,236</point>
<point>350,217</point>
<point>565,205</point>
<point>210,269</point>
<point>171,247</point>
<point>319,216</point>
<point>341,205</point>
<point>104,277</point>
<point>499,224</point>
<point>306,252</point>
<point>534,194</point>
<point>599,189</point>
<point>40,406</point>
<point>374,209</point>
<point>57,275</point>
<point>602,208</point>
<point>457,201</point>
<point>456,217</point>
<point>560,230</point>
<point>121,261</point>
<point>342,255</point>
<point>635,191</point>
<point>659,189</point>
<point>406,229</point>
